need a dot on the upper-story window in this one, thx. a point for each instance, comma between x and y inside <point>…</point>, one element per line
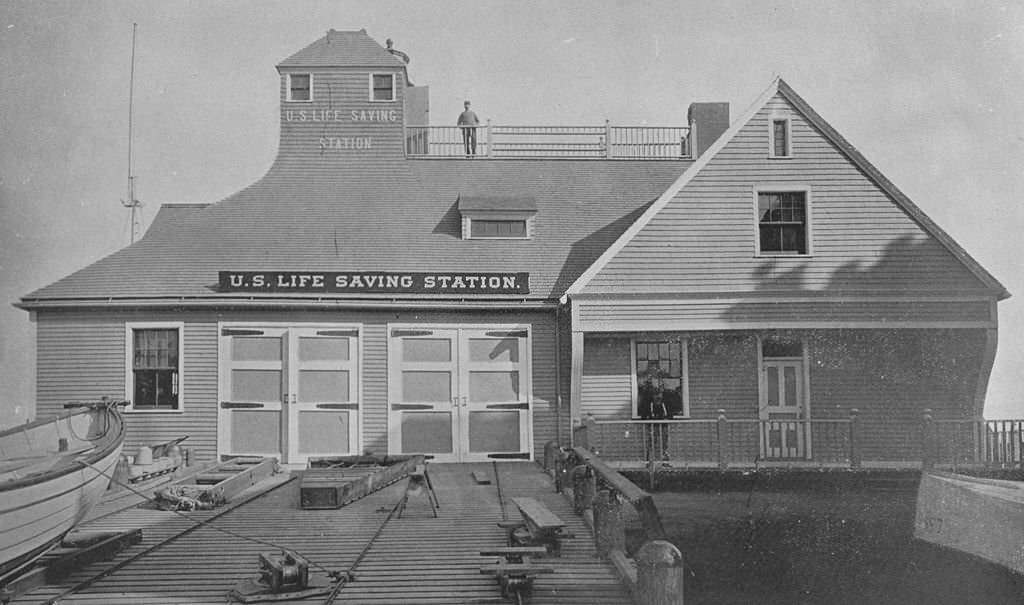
<point>782,223</point>
<point>154,366</point>
<point>382,87</point>
<point>779,143</point>
<point>300,87</point>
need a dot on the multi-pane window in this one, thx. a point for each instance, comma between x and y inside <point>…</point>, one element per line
<point>382,87</point>
<point>498,228</point>
<point>780,138</point>
<point>300,87</point>
<point>155,368</point>
<point>659,378</point>
<point>782,222</point>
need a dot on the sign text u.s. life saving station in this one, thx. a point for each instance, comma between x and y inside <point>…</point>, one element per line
<point>356,143</point>
<point>331,282</point>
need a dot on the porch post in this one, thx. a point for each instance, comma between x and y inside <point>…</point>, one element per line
<point>854,435</point>
<point>723,438</point>
<point>927,430</point>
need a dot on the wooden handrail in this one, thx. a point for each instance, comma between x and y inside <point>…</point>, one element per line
<point>642,501</point>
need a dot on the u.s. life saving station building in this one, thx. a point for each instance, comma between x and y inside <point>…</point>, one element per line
<point>378,290</point>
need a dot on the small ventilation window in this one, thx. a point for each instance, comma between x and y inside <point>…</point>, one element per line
<point>779,139</point>
<point>300,87</point>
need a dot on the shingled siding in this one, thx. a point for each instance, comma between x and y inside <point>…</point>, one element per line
<point>722,375</point>
<point>81,355</point>
<point>890,376</point>
<point>703,240</point>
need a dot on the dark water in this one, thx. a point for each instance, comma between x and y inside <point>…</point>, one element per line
<point>830,546</point>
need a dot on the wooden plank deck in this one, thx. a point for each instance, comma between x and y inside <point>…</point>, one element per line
<point>415,559</point>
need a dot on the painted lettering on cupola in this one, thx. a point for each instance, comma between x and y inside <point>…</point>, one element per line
<point>338,115</point>
<point>349,141</point>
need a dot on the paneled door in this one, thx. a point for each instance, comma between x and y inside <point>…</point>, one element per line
<point>323,400</point>
<point>288,391</point>
<point>460,394</point>
<point>784,430</point>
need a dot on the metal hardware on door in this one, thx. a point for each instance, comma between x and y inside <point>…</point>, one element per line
<point>465,402</point>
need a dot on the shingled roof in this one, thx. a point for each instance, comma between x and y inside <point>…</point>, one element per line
<point>407,220</point>
<point>343,49</point>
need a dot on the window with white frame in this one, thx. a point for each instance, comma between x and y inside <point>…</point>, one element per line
<point>300,87</point>
<point>779,140</point>
<point>382,87</point>
<point>153,380</point>
<point>782,223</point>
<point>660,368</point>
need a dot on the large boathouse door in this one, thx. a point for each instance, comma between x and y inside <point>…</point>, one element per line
<point>322,395</point>
<point>460,394</point>
<point>290,392</point>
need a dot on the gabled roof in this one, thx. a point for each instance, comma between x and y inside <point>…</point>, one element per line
<point>404,219</point>
<point>343,49</point>
<point>779,87</point>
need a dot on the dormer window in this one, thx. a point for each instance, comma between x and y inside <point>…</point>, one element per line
<point>300,87</point>
<point>382,87</point>
<point>482,228</point>
<point>497,217</point>
<point>779,144</point>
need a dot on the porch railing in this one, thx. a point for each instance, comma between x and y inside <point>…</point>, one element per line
<point>723,442</point>
<point>595,142</point>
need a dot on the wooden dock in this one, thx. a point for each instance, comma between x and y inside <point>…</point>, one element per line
<point>416,558</point>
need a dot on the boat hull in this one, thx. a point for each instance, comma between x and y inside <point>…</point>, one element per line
<point>39,506</point>
<point>982,517</point>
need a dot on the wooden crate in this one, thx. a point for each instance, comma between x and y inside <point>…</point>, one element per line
<point>335,486</point>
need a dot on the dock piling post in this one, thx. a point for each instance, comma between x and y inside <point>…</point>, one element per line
<point>609,533</point>
<point>659,580</point>
<point>583,486</point>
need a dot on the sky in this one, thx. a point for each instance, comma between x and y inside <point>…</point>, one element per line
<point>929,91</point>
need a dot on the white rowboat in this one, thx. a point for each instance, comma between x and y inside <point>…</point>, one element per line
<point>983,517</point>
<point>51,473</point>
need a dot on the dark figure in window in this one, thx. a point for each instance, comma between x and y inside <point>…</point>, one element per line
<point>468,123</point>
<point>658,398</point>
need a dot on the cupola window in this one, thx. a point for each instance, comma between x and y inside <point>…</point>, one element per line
<point>382,87</point>
<point>300,87</point>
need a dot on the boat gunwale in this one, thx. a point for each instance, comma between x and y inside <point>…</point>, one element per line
<point>113,441</point>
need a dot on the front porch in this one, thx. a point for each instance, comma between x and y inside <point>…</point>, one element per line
<point>739,443</point>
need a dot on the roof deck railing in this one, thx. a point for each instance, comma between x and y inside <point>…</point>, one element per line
<point>574,142</point>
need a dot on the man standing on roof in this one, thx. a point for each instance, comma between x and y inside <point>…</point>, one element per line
<point>468,123</point>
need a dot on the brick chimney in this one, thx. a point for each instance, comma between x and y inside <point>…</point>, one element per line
<point>707,122</point>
